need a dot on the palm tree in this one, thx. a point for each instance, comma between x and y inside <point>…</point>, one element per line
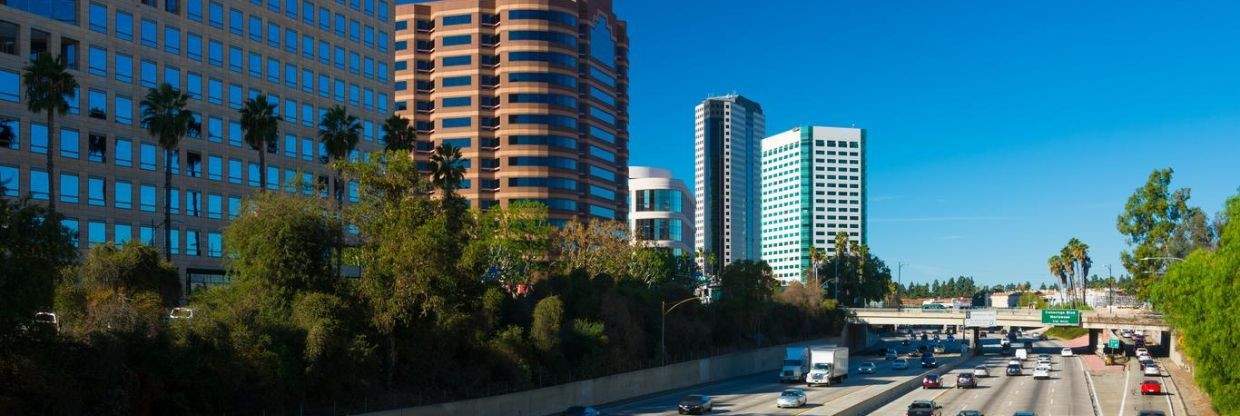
<point>1058,267</point>
<point>339,132</point>
<point>816,257</point>
<point>399,135</point>
<point>261,127</point>
<point>47,82</point>
<point>446,170</point>
<point>168,121</point>
<point>841,250</point>
<point>1079,252</point>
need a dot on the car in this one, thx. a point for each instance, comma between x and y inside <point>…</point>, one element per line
<point>867,368</point>
<point>924,408</point>
<point>1024,413</point>
<point>1126,334</point>
<point>1151,370</point>
<point>791,398</point>
<point>929,362</point>
<point>695,404</point>
<point>891,355</point>
<point>900,364</point>
<point>580,411</point>
<point>1151,413</point>
<point>1143,351</point>
<point>904,342</point>
<point>969,413</point>
<point>1042,371</point>
<point>965,380</point>
<point>1044,359</point>
<point>1014,362</point>
<point>1066,352</point>
<point>939,349</point>
<point>931,381</point>
<point>981,371</point>
<point>1013,370</point>
<point>1151,387</point>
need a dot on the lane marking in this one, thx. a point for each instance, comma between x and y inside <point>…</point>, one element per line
<point>1124,397</point>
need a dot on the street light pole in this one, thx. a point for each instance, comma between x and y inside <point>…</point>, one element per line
<point>663,325</point>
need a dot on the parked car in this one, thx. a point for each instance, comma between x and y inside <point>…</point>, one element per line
<point>580,411</point>
<point>931,381</point>
<point>965,380</point>
<point>1066,352</point>
<point>924,408</point>
<point>900,364</point>
<point>1151,387</point>
<point>1151,370</point>
<point>867,368</point>
<point>1013,370</point>
<point>981,371</point>
<point>791,398</point>
<point>695,404</point>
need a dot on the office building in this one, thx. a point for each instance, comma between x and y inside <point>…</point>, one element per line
<point>306,55</point>
<point>728,132</point>
<point>535,94</point>
<point>659,209</point>
<point>813,187</point>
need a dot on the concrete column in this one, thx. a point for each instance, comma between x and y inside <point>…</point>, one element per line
<point>1093,340</point>
<point>976,342</point>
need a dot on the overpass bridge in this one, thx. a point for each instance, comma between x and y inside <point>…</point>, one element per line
<point>1097,322</point>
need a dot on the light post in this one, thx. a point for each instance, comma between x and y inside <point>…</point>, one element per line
<point>663,325</point>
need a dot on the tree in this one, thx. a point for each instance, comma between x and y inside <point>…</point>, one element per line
<point>117,289</point>
<point>547,324</point>
<point>1149,221</point>
<point>446,170</point>
<point>1197,298</point>
<point>510,244</point>
<point>1059,268</point>
<point>33,249</point>
<point>167,121</point>
<point>48,81</point>
<point>339,132</point>
<point>1079,253</point>
<point>398,134</point>
<point>747,287</point>
<point>261,129</point>
<point>597,247</point>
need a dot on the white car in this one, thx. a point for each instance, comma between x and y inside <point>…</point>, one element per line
<point>981,371</point>
<point>1151,370</point>
<point>1013,362</point>
<point>1142,351</point>
<point>867,368</point>
<point>791,398</point>
<point>1044,359</point>
<point>1066,352</point>
<point>1042,371</point>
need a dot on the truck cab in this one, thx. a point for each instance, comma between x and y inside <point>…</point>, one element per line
<point>796,365</point>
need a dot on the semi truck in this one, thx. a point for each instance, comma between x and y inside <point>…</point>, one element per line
<point>796,365</point>
<point>828,364</point>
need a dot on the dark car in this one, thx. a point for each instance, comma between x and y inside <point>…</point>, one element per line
<point>931,381</point>
<point>969,413</point>
<point>695,404</point>
<point>1151,413</point>
<point>1013,370</point>
<point>965,380</point>
<point>924,408</point>
<point>928,362</point>
<point>580,411</point>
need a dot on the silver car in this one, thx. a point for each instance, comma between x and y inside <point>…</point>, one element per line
<point>867,368</point>
<point>981,371</point>
<point>791,398</point>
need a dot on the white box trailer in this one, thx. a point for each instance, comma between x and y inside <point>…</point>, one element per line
<point>828,364</point>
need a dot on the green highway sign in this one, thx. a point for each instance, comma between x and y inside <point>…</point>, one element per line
<point>1113,343</point>
<point>1061,317</point>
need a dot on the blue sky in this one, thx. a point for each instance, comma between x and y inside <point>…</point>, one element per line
<point>995,133</point>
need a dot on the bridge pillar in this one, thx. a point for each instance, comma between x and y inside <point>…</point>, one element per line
<point>1094,334</point>
<point>975,343</point>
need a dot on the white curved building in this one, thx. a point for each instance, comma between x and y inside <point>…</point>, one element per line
<point>660,210</point>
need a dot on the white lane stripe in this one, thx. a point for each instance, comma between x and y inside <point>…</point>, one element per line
<point>1124,397</point>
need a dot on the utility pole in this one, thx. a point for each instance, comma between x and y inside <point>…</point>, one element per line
<point>899,284</point>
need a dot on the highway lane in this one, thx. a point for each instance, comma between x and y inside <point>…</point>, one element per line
<point>1133,401</point>
<point>1065,393</point>
<point>756,395</point>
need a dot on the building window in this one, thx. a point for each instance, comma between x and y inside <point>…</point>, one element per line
<point>124,110</point>
<point>97,148</point>
<point>124,25</point>
<point>97,104</point>
<point>123,198</point>
<point>146,198</point>
<point>38,185</point>
<point>97,60</point>
<point>10,183</point>
<point>96,233</point>
<point>96,192</point>
<point>9,86</point>
<point>172,40</point>
<point>69,188</point>
<point>98,18</point>
<point>456,40</point>
<point>150,36</point>
<point>123,68</point>
<point>69,143</point>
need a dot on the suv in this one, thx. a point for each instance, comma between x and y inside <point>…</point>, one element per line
<point>924,408</point>
<point>965,380</point>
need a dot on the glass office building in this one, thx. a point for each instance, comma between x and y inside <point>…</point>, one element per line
<point>306,55</point>
<point>728,132</point>
<point>660,210</point>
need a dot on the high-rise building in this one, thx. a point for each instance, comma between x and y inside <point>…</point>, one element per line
<point>813,188</point>
<point>306,55</point>
<point>728,133</point>
<point>535,94</point>
<point>659,209</point>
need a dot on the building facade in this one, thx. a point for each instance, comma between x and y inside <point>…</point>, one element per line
<point>728,132</point>
<point>306,55</point>
<point>659,210</point>
<point>813,187</point>
<point>534,93</point>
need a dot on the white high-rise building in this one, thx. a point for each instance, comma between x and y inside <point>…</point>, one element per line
<point>813,187</point>
<point>659,209</point>
<point>728,134</point>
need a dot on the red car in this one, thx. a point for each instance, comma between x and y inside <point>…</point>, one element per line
<point>931,381</point>
<point>1151,387</point>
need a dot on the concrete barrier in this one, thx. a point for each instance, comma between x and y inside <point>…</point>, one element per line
<point>871,398</point>
<point>613,388</point>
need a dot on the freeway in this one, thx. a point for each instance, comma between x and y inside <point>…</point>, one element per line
<point>755,395</point>
<point>1064,393</point>
<point>1119,391</point>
